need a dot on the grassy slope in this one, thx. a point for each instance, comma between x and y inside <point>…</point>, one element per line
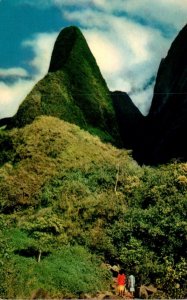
<point>58,187</point>
<point>50,146</point>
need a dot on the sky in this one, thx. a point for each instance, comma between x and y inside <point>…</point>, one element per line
<point>128,38</point>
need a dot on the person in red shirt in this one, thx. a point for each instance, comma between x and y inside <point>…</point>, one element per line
<point>121,282</point>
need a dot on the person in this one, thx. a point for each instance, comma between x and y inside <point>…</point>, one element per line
<point>131,284</point>
<point>121,282</point>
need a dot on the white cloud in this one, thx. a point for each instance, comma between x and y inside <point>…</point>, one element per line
<point>11,96</point>
<point>171,12</point>
<point>42,46</point>
<point>168,12</point>
<point>20,72</point>
<point>14,93</point>
<point>142,98</point>
<point>108,56</point>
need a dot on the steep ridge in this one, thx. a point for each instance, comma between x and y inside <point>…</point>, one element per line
<point>167,119</point>
<point>129,118</point>
<point>73,90</point>
<point>160,136</point>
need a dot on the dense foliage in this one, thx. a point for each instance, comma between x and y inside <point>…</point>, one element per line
<point>73,90</point>
<point>69,202</point>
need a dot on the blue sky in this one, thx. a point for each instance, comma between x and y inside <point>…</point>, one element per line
<point>127,37</point>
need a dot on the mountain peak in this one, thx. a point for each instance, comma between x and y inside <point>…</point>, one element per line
<point>63,47</point>
<point>73,90</point>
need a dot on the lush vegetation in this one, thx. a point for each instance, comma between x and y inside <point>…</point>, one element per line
<point>73,90</point>
<point>70,203</point>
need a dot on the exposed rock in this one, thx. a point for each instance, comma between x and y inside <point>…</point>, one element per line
<point>146,291</point>
<point>40,294</point>
<point>105,295</point>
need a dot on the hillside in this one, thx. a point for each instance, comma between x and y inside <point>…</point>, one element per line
<point>62,188</point>
<point>46,147</point>
<point>73,90</point>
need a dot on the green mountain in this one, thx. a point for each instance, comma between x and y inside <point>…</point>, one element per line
<point>72,206</point>
<point>73,90</point>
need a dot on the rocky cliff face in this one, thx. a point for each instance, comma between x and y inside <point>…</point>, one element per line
<point>167,119</point>
<point>73,90</point>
